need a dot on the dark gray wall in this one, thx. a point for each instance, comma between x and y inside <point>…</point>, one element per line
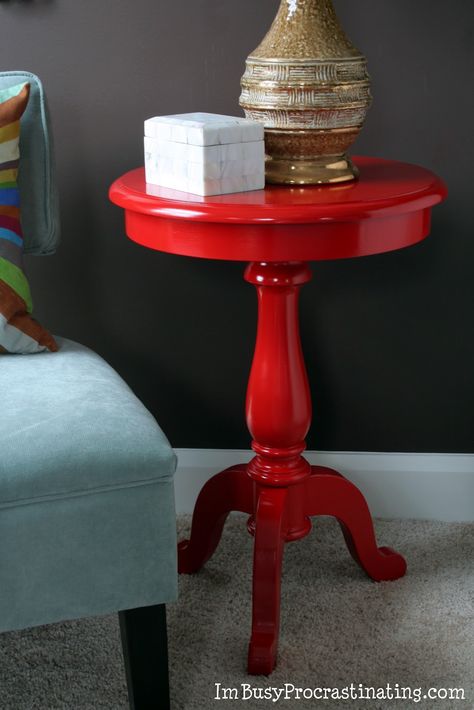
<point>389,339</point>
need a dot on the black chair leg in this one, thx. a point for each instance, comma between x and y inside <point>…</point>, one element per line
<point>145,652</point>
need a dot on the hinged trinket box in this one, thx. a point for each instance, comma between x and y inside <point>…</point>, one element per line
<point>205,153</point>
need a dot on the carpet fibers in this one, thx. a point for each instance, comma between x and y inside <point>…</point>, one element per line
<point>338,628</point>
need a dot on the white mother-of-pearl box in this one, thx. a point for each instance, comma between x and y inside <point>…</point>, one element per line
<point>205,154</point>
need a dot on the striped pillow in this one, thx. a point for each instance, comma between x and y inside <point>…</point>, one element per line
<point>19,332</point>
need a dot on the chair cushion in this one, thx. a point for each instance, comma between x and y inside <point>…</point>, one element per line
<point>40,210</point>
<point>19,332</point>
<point>87,517</point>
<point>70,424</point>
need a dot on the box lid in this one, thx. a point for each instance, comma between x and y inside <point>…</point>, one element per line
<point>204,129</point>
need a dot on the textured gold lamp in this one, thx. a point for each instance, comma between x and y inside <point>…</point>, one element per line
<point>309,86</point>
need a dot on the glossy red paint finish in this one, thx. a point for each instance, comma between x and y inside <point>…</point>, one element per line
<point>387,208</point>
<point>270,538</point>
<point>278,399</point>
<point>278,230</point>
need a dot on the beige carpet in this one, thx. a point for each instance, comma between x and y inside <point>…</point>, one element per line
<point>338,628</point>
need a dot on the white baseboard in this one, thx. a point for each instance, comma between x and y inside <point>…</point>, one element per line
<point>396,485</point>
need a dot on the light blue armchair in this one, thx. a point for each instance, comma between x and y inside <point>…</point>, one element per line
<point>87,520</point>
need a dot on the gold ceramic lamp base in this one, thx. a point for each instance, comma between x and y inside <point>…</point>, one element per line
<point>309,86</point>
<point>311,157</point>
<point>322,171</point>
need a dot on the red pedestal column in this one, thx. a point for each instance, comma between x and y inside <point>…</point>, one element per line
<point>279,488</point>
<point>278,418</point>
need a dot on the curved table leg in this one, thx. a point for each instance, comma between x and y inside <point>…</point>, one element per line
<point>268,555</point>
<point>225,492</point>
<point>329,493</point>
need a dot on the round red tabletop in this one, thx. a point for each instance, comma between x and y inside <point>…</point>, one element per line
<point>387,208</point>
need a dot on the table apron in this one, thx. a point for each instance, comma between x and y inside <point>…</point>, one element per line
<point>278,242</point>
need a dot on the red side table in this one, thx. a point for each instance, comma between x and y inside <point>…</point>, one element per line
<point>278,230</point>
